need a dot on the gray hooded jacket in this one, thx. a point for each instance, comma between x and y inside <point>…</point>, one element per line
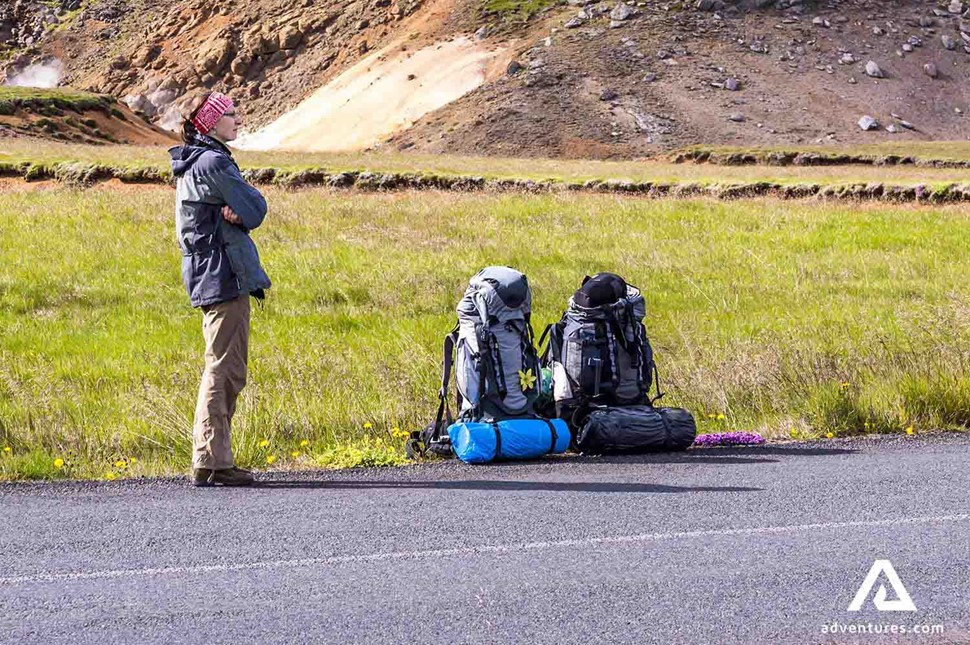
<point>219,259</point>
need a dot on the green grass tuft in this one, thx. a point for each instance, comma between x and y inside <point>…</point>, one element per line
<point>51,102</point>
<point>518,9</point>
<point>361,453</point>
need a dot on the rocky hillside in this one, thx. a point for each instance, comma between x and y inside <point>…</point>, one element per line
<point>586,79</point>
<point>150,53</point>
<point>614,80</point>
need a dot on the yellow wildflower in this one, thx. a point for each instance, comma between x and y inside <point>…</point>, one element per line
<point>7,448</point>
<point>270,459</point>
<point>121,463</point>
<point>295,454</point>
<point>527,380</point>
<point>830,435</point>
<point>711,416</point>
<point>368,426</point>
<point>111,477</point>
<point>264,443</point>
<point>304,443</point>
<point>133,461</point>
<point>58,463</point>
<point>910,430</point>
<point>721,417</point>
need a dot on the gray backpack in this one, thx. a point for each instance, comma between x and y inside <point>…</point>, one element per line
<point>599,352</point>
<point>492,351</point>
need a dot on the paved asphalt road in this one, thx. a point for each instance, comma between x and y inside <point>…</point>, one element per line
<point>715,546</point>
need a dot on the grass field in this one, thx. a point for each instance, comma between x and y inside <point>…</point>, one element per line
<point>795,319</point>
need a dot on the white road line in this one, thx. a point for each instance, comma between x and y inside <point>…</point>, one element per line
<point>472,550</point>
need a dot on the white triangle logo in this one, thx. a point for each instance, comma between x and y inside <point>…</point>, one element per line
<point>903,601</point>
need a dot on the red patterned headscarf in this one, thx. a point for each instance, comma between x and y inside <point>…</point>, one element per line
<point>211,111</point>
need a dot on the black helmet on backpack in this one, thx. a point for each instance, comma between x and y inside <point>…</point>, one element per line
<point>601,289</point>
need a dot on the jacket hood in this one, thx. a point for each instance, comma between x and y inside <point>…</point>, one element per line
<point>185,156</point>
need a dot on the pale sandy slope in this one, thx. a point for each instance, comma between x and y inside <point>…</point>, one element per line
<point>380,96</point>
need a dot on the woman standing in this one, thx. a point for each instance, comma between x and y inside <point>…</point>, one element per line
<point>214,212</point>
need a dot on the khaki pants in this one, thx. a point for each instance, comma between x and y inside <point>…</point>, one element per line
<point>225,327</point>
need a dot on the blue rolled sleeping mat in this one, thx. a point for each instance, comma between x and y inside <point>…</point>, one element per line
<point>480,442</point>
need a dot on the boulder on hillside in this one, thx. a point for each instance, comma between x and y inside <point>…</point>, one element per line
<point>6,28</point>
<point>139,103</point>
<point>709,5</point>
<point>152,104</point>
<point>162,98</point>
<point>873,70</point>
<point>212,58</point>
<point>261,42</point>
<point>146,55</point>
<point>240,64</point>
<point>621,12</point>
<point>868,123</point>
<point>290,37</point>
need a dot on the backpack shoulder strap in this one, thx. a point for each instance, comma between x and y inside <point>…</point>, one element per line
<point>553,332</point>
<point>420,441</point>
<point>544,355</point>
<point>447,364</point>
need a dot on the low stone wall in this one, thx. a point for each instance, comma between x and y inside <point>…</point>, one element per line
<point>82,174</point>
<point>791,158</point>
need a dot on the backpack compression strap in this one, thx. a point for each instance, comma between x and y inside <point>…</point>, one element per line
<point>499,371</point>
<point>553,435</point>
<point>656,378</point>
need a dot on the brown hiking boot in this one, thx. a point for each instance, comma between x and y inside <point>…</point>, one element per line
<point>222,477</point>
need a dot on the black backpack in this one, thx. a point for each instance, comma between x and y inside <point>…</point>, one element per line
<point>599,352</point>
